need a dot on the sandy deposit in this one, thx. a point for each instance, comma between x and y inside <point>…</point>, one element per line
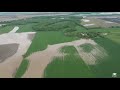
<point>91,58</point>
<point>19,38</point>
<point>105,33</point>
<point>30,36</point>
<point>62,18</point>
<point>7,50</point>
<point>53,18</point>
<point>40,60</point>
<point>14,29</point>
<point>108,22</point>
<point>97,22</point>
<point>14,17</point>
<point>85,20</point>
<point>89,24</point>
<point>9,66</point>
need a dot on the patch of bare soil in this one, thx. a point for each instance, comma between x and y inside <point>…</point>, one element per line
<point>40,60</point>
<point>97,22</point>
<point>14,29</point>
<point>92,57</point>
<point>7,50</point>
<point>31,36</point>
<point>10,64</point>
<point>8,69</point>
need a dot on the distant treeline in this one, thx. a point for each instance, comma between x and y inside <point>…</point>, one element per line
<point>67,26</point>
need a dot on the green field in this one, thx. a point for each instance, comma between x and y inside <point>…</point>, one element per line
<point>50,32</point>
<point>25,28</point>
<point>87,47</point>
<point>5,29</point>
<point>114,36</point>
<point>54,31</point>
<point>111,43</point>
<point>42,39</point>
<point>22,68</point>
<point>111,64</point>
<point>69,66</point>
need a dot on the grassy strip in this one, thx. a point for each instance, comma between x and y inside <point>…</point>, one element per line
<point>22,68</point>
<point>5,29</point>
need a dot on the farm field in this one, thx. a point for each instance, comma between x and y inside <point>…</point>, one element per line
<point>22,68</point>
<point>110,64</point>
<point>91,22</point>
<point>61,46</point>
<point>117,20</point>
<point>69,65</point>
<point>5,29</point>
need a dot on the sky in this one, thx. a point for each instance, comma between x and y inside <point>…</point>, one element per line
<point>16,13</point>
